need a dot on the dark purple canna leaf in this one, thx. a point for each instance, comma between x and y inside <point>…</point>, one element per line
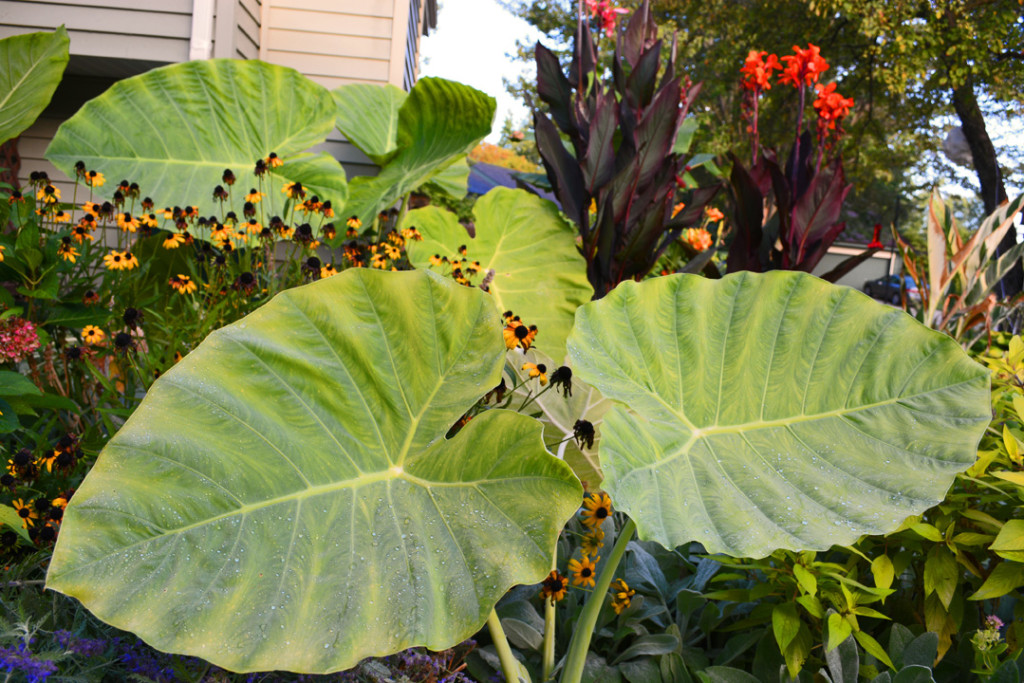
<point>563,171</point>
<point>599,163</point>
<point>640,33</point>
<point>584,58</point>
<point>816,213</point>
<point>817,251</point>
<point>656,132</point>
<point>693,214</point>
<point>748,200</point>
<point>644,78</point>
<point>553,88</point>
<point>847,264</point>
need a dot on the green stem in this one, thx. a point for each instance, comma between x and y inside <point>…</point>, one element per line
<point>581,635</point>
<point>549,630</point>
<point>401,213</point>
<point>509,665</point>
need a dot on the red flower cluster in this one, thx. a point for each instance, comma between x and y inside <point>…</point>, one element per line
<point>830,105</point>
<point>18,339</point>
<point>804,67</point>
<point>757,70</point>
<point>603,10</point>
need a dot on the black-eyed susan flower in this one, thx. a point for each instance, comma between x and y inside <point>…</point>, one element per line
<point>583,432</point>
<point>328,231</point>
<point>273,161</point>
<point>378,261</point>
<point>132,262</point>
<point>48,194</point>
<point>132,317</point>
<point>16,197</point>
<point>27,514</point>
<point>354,223</point>
<point>561,379</point>
<point>554,587</point>
<point>435,260</point>
<point>228,177</point>
<point>254,196</point>
<point>182,284</point>
<point>91,207</point>
<point>583,571</point>
<point>127,222</point>
<point>92,335</point>
<point>592,542</point>
<point>174,240</point>
<point>90,298</point>
<point>61,216</point>
<point>327,210</point>
<point>115,260</point>
<point>47,460</point>
<point>412,234</point>
<point>80,168</point>
<point>327,271</point>
<point>622,595</point>
<point>123,342</point>
<point>245,283</point>
<point>253,226</point>
<point>537,370</point>
<point>94,179</point>
<point>66,250</point>
<point>294,190</point>
<point>597,507</point>
<point>394,253</point>
<point>148,220</point>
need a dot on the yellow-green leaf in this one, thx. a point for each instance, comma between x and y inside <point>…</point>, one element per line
<point>806,579</point>
<point>785,624</point>
<point>882,570</point>
<point>1009,543</point>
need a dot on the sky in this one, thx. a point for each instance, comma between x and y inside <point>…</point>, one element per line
<point>472,44</point>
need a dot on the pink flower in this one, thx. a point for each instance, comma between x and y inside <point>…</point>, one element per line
<point>18,338</point>
<point>606,14</point>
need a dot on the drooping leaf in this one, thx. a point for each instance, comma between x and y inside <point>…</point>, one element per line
<point>320,174</point>
<point>452,180</point>
<point>312,512</point>
<point>368,115</point>
<point>774,410</point>
<point>559,413</point>
<point>174,130</point>
<point>438,122</point>
<point>538,272</point>
<point>31,66</point>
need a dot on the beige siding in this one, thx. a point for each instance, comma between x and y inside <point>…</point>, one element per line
<point>157,30</point>
<point>880,264</point>
<point>247,31</point>
<point>334,42</point>
<point>31,146</point>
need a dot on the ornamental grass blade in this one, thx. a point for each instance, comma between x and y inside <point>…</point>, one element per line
<point>766,411</point>
<point>284,497</point>
<point>174,130</point>
<point>31,67</point>
<point>538,272</point>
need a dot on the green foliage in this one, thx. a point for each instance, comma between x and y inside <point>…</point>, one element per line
<point>31,66</point>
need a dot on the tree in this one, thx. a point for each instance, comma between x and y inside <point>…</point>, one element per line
<point>905,62</point>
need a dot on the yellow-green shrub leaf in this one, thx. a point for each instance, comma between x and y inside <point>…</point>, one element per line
<point>882,570</point>
<point>785,624</point>
<point>1009,543</point>
<point>1006,577</point>
<point>766,411</point>
<point>285,496</point>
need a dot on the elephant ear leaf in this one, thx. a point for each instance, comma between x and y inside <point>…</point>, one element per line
<point>286,498</point>
<point>31,66</point>
<point>774,410</point>
<point>174,130</point>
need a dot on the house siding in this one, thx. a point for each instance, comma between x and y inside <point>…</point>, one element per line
<point>126,29</point>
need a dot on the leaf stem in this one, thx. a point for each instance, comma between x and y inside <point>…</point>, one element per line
<point>509,665</point>
<point>548,652</point>
<point>581,635</point>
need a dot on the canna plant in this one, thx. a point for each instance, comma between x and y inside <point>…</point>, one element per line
<point>787,216</point>
<point>315,512</point>
<point>620,181</point>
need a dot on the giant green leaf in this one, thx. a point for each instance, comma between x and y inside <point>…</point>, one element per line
<point>438,122</point>
<point>284,498</point>
<point>174,130</point>
<point>538,272</point>
<point>368,115</point>
<point>774,410</point>
<point>31,66</point>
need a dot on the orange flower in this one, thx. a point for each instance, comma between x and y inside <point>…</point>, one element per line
<point>698,238</point>
<point>713,214</point>
<point>830,105</point>
<point>757,71</point>
<point>804,67</point>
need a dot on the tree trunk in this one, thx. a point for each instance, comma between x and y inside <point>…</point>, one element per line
<point>993,192</point>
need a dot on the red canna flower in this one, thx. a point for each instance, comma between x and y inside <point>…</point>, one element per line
<point>757,70</point>
<point>606,14</point>
<point>804,67</point>
<point>830,105</point>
